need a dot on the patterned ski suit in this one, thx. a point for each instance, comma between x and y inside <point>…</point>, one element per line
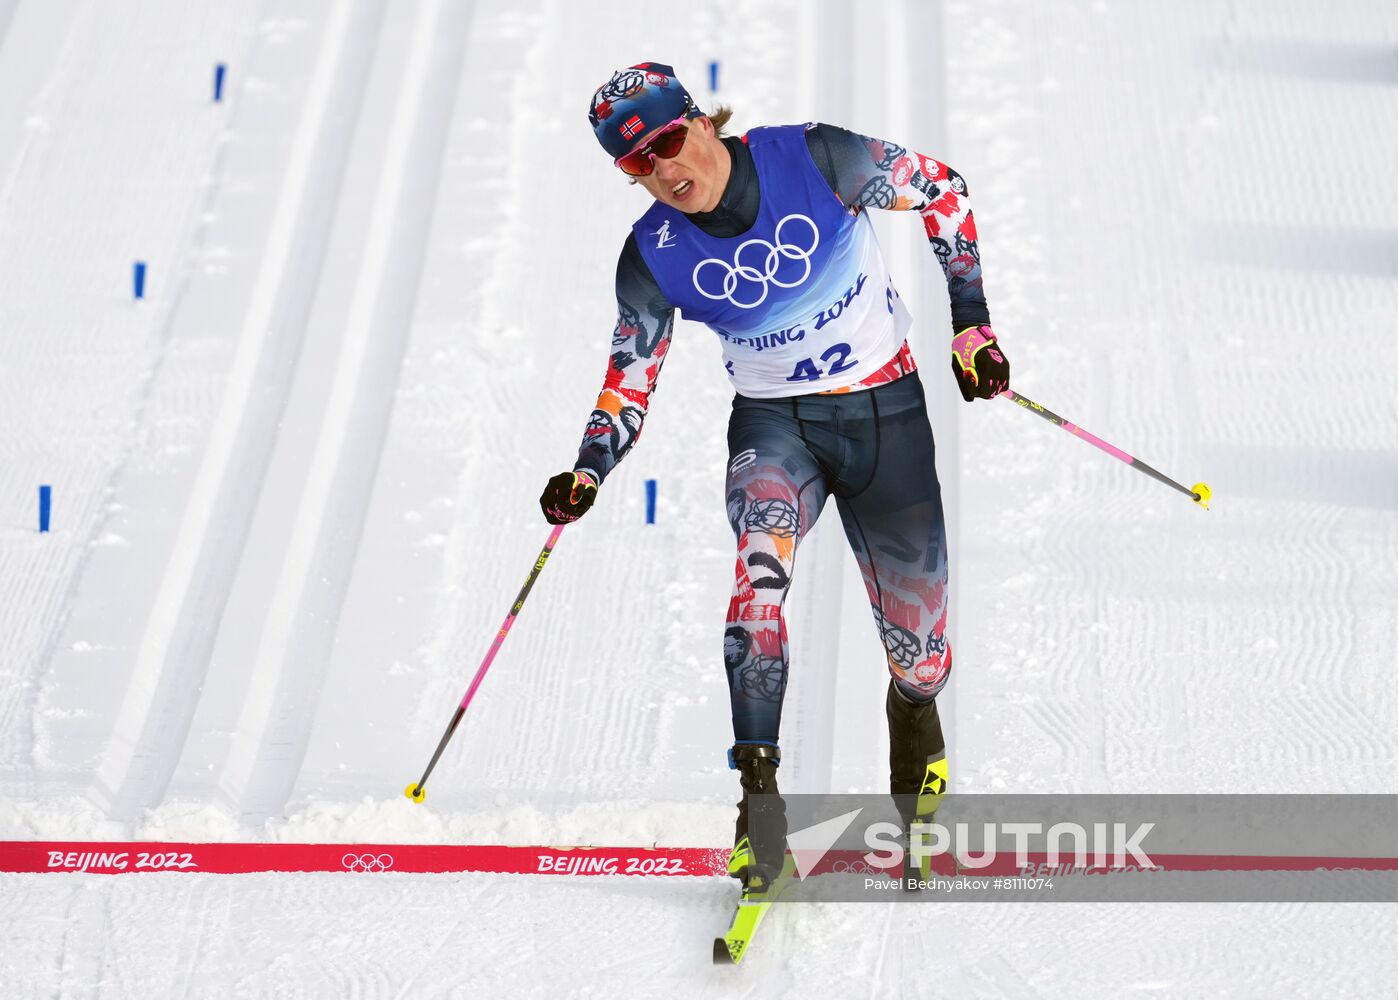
<point>788,273</point>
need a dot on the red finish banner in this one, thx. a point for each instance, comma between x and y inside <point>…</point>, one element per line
<point>109,858</point>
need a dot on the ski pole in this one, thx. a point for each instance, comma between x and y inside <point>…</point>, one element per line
<point>1200,494</point>
<point>418,791</point>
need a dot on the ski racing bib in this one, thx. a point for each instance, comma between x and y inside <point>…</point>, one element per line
<point>802,301</point>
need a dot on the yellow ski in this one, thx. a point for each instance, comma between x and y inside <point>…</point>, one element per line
<point>756,900</point>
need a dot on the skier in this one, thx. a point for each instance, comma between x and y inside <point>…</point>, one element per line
<point>764,237</point>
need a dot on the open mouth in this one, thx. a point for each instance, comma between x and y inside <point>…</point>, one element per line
<point>681,189</point>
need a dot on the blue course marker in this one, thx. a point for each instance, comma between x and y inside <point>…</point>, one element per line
<point>713,75</point>
<point>220,71</point>
<point>650,501</point>
<point>45,505</point>
<point>139,278</point>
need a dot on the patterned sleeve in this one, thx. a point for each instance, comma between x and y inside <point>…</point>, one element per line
<point>874,173</point>
<point>645,322</point>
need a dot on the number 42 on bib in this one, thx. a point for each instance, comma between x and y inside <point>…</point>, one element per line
<point>836,357</point>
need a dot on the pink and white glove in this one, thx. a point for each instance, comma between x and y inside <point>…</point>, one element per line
<point>982,371</point>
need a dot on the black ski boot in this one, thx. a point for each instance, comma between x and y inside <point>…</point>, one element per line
<point>759,842</point>
<point>917,765</point>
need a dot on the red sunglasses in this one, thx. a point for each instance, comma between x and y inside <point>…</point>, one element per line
<point>665,144</point>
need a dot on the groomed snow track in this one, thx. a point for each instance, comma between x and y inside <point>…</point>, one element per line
<point>239,627</point>
<point>260,562</point>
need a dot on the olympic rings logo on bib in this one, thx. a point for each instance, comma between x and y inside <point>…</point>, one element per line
<point>739,277</point>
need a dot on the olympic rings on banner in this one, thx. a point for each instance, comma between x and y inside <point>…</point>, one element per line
<point>851,867</point>
<point>367,862</point>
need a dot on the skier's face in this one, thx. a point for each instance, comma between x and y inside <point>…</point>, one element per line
<point>694,178</point>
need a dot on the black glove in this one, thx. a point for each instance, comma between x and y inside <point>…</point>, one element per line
<point>980,367</point>
<point>567,497</point>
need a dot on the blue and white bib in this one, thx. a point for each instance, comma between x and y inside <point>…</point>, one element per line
<point>802,301</point>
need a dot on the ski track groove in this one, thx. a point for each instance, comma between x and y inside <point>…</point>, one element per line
<point>113,955</point>
<point>42,586</point>
<point>1321,637</point>
<point>1317,711</point>
<point>294,652</point>
<point>163,693</point>
<point>1329,649</point>
<point>194,234</point>
<point>192,950</point>
<point>1073,717</point>
<point>85,918</point>
<point>502,726</point>
<point>877,986</point>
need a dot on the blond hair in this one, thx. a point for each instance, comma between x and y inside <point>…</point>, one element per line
<point>721,116</point>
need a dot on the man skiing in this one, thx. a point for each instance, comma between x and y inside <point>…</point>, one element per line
<point>765,238</point>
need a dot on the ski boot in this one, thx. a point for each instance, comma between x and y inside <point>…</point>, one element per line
<point>917,765</point>
<point>759,860</point>
<point>759,841</point>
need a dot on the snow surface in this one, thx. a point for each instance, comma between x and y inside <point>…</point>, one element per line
<point>295,487</point>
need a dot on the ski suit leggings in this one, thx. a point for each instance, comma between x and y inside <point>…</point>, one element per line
<point>872,450</point>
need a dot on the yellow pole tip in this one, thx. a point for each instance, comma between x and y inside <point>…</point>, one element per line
<point>415,793</point>
<point>1202,494</point>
